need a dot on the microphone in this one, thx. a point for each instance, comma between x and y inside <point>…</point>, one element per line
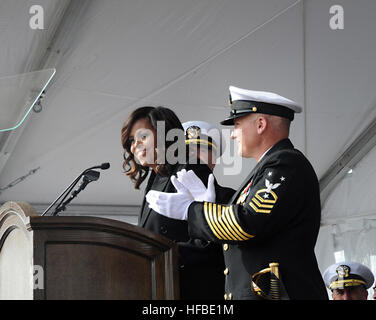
<point>103,166</point>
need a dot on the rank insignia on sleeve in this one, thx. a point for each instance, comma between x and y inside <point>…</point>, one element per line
<point>264,199</point>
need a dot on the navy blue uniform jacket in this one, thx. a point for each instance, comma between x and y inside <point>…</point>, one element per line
<point>275,219</point>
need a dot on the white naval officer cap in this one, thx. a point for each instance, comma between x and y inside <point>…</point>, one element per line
<point>243,102</point>
<point>204,133</point>
<point>347,274</point>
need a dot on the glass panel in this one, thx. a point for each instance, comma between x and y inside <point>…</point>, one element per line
<point>18,95</point>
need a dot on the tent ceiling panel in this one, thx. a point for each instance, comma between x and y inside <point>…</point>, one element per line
<point>22,46</point>
<point>340,78</point>
<point>124,54</point>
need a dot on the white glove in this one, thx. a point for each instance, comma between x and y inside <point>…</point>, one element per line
<point>194,184</point>
<point>171,205</point>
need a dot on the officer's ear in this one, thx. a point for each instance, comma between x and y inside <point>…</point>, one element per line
<point>262,123</point>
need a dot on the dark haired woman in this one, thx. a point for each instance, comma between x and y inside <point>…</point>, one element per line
<point>201,264</point>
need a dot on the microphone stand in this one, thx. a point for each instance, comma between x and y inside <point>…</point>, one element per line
<point>67,190</point>
<point>89,176</point>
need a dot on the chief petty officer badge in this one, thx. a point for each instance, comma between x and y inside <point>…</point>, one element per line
<point>265,198</point>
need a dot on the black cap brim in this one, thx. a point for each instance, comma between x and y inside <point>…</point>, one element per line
<point>230,120</point>
<point>241,108</point>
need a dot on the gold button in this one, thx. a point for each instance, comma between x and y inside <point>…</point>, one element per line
<point>225,296</point>
<point>254,109</point>
<point>225,247</point>
<point>230,296</point>
<point>225,271</point>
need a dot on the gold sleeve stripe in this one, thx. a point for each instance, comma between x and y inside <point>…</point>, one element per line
<point>257,209</point>
<point>228,217</point>
<point>224,223</point>
<point>214,224</point>
<point>262,205</point>
<point>238,226</point>
<point>229,224</point>
<point>218,224</point>
<point>209,222</point>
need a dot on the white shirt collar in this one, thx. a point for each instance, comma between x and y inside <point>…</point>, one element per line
<point>264,154</point>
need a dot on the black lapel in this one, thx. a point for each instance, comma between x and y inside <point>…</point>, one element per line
<point>160,185</point>
<point>148,186</point>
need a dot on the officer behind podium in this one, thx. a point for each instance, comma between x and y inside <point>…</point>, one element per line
<point>274,217</point>
<point>205,144</point>
<point>348,280</point>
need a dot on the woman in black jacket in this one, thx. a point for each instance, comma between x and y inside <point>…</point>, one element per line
<point>146,139</point>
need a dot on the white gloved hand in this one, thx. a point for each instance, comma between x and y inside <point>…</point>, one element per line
<point>171,205</point>
<point>194,184</point>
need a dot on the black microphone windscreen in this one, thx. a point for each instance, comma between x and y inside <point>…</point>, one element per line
<point>105,166</point>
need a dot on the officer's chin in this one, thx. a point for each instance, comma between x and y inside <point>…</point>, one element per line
<point>243,154</point>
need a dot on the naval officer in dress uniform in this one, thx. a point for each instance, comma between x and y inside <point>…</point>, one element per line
<point>205,145</point>
<point>274,217</point>
<point>348,280</point>
<point>204,142</point>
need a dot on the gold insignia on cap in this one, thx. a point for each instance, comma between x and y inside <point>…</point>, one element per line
<point>193,132</point>
<point>254,109</point>
<point>343,271</point>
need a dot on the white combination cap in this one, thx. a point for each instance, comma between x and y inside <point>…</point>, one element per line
<point>203,133</point>
<point>347,274</point>
<point>243,102</point>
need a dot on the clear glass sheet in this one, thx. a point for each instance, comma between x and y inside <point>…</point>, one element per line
<point>18,95</point>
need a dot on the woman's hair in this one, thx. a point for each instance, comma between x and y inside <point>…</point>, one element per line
<point>134,170</point>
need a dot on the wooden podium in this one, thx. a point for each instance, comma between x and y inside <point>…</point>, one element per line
<point>82,258</point>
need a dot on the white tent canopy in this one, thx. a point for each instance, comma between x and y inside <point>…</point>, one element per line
<point>113,56</point>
